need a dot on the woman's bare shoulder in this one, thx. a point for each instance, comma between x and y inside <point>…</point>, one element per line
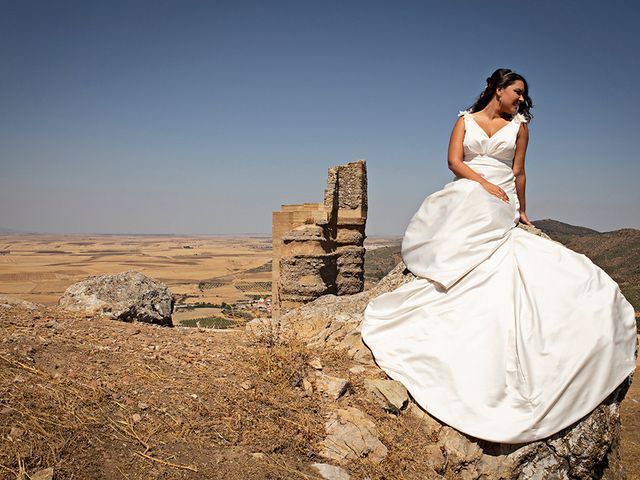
<point>524,128</point>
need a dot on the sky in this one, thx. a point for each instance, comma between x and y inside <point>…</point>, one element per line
<point>203,117</point>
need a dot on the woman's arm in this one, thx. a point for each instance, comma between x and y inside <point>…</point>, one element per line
<point>456,162</point>
<point>518,165</point>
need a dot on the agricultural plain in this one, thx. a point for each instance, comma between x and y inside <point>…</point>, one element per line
<point>197,269</point>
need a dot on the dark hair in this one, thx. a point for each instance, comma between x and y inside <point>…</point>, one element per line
<point>503,77</point>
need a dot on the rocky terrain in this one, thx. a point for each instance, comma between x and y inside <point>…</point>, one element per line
<point>96,398</point>
<point>85,396</point>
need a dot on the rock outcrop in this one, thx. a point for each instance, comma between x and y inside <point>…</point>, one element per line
<point>10,302</point>
<point>129,296</point>
<point>352,434</point>
<point>587,449</point>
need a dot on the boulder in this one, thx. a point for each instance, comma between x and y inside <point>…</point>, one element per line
<point>11,302</point>
<point>315,363</point>
<point>333,387</point>
<point>391,395</point>
<point>351,433</point>
<point>129,296</point>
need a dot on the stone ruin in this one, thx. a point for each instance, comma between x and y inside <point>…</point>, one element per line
<point>318,248</point>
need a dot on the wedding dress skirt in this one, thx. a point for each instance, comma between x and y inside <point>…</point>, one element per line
<point>505,335</point>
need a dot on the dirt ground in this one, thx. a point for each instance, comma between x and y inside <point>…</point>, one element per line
<point>100,399</point>
<point>630,436</point>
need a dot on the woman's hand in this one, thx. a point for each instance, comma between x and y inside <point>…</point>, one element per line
<point>495,190</point>
<point>525,220</point>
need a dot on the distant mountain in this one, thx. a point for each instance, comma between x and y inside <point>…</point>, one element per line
<point>10,231</point>
<point>550,226</point>
<point>616,252</point>
<point>380,261</point>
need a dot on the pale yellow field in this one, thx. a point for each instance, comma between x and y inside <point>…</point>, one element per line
<point>38,268</point>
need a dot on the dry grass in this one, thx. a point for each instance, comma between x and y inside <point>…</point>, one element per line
<point>630,434</point>
<point>100,399</point>
<point>230,411</point>
<point>51,419</point>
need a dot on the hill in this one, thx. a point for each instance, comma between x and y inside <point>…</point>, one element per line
<point>616,252</point>
<point>379,262</point>
<point>550,226</point>
<point>10,231</point>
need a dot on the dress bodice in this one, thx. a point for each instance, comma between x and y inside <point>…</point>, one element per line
<point>500,146</point>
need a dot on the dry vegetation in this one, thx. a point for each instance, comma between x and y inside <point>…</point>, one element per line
<point>95,398</point>
<point>100,399</point>
<point>630,417</point>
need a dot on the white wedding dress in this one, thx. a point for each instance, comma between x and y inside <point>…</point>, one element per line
<point>506,336</point>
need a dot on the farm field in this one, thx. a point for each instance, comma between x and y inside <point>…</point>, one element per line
<point>197,269</point>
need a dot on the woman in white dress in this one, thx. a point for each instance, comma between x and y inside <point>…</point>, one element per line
<point>504,335</point>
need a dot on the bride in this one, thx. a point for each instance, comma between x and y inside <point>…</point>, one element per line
<point>504,335</point>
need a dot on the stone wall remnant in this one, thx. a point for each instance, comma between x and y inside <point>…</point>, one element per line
<point>318,248</point>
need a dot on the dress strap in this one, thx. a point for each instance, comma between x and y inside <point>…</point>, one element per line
<point>463,112</point>
<point>519,118</point>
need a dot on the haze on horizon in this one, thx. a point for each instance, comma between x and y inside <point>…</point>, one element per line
<point>202,117</point>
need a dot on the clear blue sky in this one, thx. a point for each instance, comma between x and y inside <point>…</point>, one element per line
<point>204,117</point>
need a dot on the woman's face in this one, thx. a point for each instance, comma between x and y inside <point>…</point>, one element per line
<point>512,96</point>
